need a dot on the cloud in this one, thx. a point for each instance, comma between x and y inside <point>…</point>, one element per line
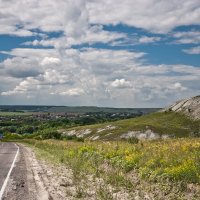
<point>19,32</point>
<point>47,16</point>
<point>25,86</point>
<point>187,37</point>
<point>145,39</point>
<point>31,53</point>
<point>54,77</point>
<point>97,76</point>
<point>177,86</point>
<point>134,39</point>
<point>75,19</point>
<point>121,83</point>
<point>155,16</point>
<point>73,92</point>
<point>194,50</point>
<point>58,64</point>
<point>94,34</point>
<point>50,60</point>
<point>19,67</point>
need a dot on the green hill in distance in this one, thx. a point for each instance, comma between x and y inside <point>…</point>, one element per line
<point>163,124</point>
<point>73,109</point>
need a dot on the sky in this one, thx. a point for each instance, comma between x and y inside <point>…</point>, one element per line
<point>110,53</point>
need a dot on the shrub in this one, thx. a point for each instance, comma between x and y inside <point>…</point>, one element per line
<point>133,140</point>
<point>72,137</point>
<point>47,134</point>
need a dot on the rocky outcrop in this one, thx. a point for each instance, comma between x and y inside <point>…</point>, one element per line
<point>109,127</point>
<point>77,133</point>
<point>143,135</point>
<point>190,107</point>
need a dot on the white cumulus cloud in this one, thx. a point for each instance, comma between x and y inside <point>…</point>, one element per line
<point>146,39</point>
<point>50,60</point>
<point>73,92</point>
<point>121,83</point>
<point>194,50</point>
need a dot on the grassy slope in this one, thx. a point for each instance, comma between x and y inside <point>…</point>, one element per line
<point>170,123</point>
<point>162,169</point>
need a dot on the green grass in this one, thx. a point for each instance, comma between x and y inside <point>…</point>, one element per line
<point>170,123</point>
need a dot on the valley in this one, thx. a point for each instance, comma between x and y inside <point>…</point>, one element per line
<point>150,156</point>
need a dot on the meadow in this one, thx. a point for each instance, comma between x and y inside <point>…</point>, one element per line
<point>162,169</point>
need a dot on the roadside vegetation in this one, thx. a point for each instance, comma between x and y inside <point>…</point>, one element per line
<point>164,169</point>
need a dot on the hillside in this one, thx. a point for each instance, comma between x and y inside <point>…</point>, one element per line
<point>179,120</point>
<point>152,126</point>
<point>162,169</point>
<point>190,107</point>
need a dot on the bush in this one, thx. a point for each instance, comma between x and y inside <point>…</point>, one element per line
<point>133,140</point>
<point>72,137</point>
<point>12,136</point>
<point>48,134</point>
<point>80,139</point>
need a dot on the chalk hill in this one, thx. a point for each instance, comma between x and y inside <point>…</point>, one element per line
<point>190,107</point>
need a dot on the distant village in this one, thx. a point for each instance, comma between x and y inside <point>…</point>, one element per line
<point>32,122</point>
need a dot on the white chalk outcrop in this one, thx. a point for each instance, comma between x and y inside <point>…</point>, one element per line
<point>77,133</point>
<point>190,107</point>
<point>142,135</point>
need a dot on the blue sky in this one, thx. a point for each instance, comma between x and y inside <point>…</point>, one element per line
<point>102,53</point>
